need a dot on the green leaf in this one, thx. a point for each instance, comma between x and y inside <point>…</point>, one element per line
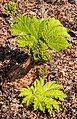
<point>27,27</point>
<point>40,35</point>
<point>39,51</point>
<point>39,105</point>
<point>43,96</point>
<point>39,82</point>
<point>9,8</point>
<point>58,94</point>
<point>51,102</point>
<point>54,34</point>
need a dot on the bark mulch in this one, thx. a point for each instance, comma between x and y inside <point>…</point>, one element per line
<point>62,68</point>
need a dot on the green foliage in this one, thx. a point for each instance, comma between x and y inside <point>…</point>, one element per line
<point>10,8</point>
<point>40,35</point>
<point>43,96</point>
<point>39,51</point>
<point>41,70</point>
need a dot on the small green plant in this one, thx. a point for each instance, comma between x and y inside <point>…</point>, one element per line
<point>40,35</point>
<point>41,70</point>
<point>10,8</point>
<point>42,96</point>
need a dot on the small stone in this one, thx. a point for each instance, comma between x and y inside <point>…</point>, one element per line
<point>4,108</point>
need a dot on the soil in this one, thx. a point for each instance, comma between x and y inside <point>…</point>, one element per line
<point>13,60</point>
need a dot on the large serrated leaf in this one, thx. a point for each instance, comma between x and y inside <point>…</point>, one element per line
<point>54,34</point>
<point>27,28</point>
<point>40,35</point>
<point>43,96</point>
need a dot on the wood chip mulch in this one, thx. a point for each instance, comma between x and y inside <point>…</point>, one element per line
<point>62,68</point>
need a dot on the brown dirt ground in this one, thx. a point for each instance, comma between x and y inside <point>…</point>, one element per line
<point>62,68</point>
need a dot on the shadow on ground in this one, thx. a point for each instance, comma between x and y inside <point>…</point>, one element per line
<point>13,63</point>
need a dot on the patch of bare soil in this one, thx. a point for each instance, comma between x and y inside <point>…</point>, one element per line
<point>62,68</point>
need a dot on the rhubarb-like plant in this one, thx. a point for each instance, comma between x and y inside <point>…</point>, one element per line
<point>40,35</point>
<point>43,96</point>
<point>10,8</point>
